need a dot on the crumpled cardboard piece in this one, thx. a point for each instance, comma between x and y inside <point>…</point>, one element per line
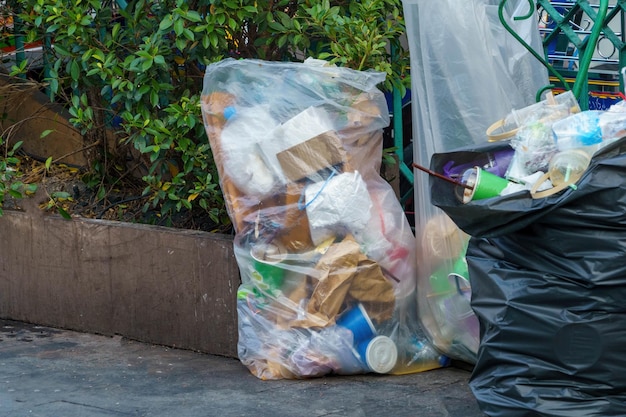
<point>306,159</point>
<point>295,236</point>
<point>346,274</point>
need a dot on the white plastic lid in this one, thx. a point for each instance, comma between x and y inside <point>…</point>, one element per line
<point>381,354</point>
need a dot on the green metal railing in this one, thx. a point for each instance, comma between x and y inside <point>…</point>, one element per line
<point>602,18</point>
<point>398,141</point>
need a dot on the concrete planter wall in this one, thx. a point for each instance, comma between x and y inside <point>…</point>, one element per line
<point>153,284</point>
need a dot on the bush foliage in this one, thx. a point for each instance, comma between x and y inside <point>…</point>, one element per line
<point>137,69</point>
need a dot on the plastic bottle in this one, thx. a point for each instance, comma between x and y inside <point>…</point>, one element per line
<point>420,357</point>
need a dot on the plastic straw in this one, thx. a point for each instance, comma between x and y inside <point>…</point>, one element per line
<point>442,177</point>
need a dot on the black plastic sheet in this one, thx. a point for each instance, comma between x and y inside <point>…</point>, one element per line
<point>548,283</point>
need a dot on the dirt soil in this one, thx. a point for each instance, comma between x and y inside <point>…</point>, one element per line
<point>123,203</point>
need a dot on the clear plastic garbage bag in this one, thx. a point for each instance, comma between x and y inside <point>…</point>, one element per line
<point>467,72</point>
<point>326,254</point>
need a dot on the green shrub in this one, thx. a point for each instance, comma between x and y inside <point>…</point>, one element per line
<point>10,174</point>
<point>138,72</point>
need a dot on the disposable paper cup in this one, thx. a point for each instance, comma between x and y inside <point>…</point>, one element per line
<point>461,270</point>
<point>268,269</point>
<point>357,321</point>
<point>443,282</point>
<point>439,282</point>
<point>484,184</point>
<point>380,354</point>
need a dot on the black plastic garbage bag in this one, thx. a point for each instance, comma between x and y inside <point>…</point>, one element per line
<point>548,281</point>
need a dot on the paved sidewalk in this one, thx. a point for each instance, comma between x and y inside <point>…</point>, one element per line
<point>58,373</point>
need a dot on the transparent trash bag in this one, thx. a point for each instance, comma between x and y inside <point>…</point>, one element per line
<point>326,254</point>
<point>459,88</point>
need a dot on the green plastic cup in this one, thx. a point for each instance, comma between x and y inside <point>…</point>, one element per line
<point>441,282</point>
<point>268,268</point>
<point>484,184</point>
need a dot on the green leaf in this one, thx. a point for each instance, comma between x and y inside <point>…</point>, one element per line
<point>46,133</point>
<point>116,30</point>
<point>59,49</point>
<point>154,98</point>
<point>166,23</point>
<point>214,39</point>
<point>276,26</point>
<point>64,213</point>
<point>144,54</point>
<point>87,54</point>
<point>48,163</point>
<point>146,65</point>
<point>15,194</point>
<point>181,44</point>
<point>62,195</point>
<point>15,147</point>
<point>101,193</point>
<point>188,34</point>
<point>193,16</point>
<point>179,26</point>
<point>74,70</point>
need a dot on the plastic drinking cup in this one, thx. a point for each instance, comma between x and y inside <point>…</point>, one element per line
<point>380,354</point>
<point>268,269</point>
<point>357,320</point>
<point>484,184</point>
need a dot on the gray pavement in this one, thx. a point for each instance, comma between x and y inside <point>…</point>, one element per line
<point>59,373</point>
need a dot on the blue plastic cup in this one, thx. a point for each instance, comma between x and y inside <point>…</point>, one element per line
<point>358,322</point>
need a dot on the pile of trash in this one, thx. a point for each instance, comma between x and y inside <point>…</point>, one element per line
<point>538,151</point>
<point>551,144</point>
<point>546,211</point>
<point>326,254</point>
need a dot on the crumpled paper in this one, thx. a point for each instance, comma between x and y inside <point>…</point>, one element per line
<point>344,273</point>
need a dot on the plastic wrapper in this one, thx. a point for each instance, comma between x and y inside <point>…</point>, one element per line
<point>549,110</point>
<point>548,283</point>
<point>579,130</point>
<point>459,88</point>
<point>326,254</point>
<point>533,136</point>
